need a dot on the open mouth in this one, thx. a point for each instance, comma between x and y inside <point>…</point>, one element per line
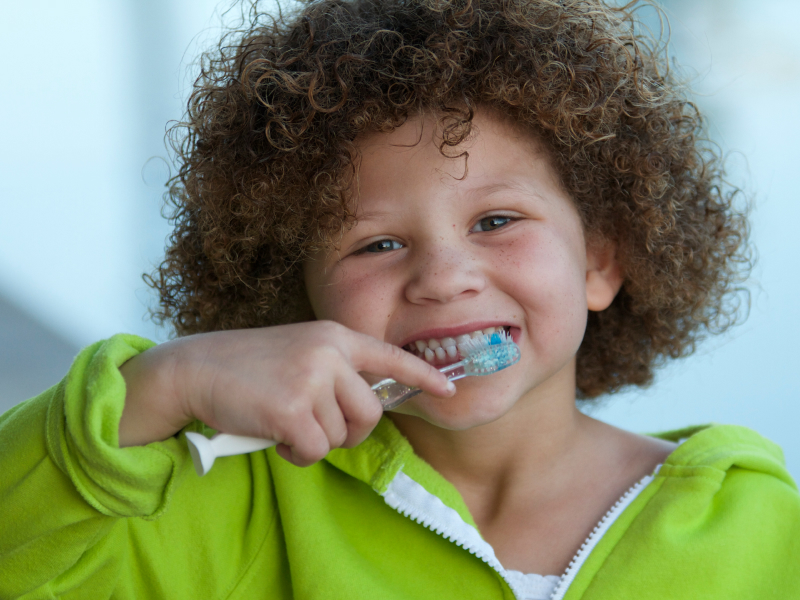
<point>448,350</point>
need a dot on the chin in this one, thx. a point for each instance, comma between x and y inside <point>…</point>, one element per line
<point>459,413</point>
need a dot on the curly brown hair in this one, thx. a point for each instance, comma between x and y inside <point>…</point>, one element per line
<point>267,158</point>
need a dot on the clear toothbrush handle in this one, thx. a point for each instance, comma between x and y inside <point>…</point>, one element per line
<point>456,371</point>
<point>392,393</point>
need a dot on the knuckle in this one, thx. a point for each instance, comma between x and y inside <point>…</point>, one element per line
<point>401,358</point>
<point>320,358</point>
<point>331,331</point>
<point>358,433</point>
<point>396,353</point>
<point>371,412</point>
<point>290,410</point>
<point>329,326</point>
<point>309,381</point>
<point>354,439</point>
<point>285,422</point>
<point>297,459</point>
<point>326,355</point>
<point>363,421</point>
<point>316,450</point>
<point>376,413</point>
<point>339,438</point>
<point>306,449</point>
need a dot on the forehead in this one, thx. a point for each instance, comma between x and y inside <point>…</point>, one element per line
<point>497,156</point>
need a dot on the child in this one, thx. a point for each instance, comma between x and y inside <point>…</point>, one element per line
<point>367,181</point>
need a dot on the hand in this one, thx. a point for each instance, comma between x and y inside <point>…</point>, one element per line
<point>296,384</point>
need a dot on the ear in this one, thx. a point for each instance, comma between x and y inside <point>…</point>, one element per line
<point>603,274</point>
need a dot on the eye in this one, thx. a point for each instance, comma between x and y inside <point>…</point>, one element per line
<point>379,246</point>
<point>491,223</point>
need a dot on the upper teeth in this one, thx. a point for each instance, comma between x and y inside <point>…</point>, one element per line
<point>447,347</point>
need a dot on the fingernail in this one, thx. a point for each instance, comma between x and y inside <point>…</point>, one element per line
<point>451,387</point>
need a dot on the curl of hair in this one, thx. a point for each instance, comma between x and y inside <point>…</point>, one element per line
<point>266,157</point>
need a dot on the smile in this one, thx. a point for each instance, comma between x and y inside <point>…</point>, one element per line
<point>449,349</point>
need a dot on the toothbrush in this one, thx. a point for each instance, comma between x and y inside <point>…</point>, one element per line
<point>485,355</point>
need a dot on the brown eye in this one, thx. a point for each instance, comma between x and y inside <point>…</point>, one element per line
<point>491,223</point>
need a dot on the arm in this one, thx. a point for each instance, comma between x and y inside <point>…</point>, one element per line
<point>65,483</point>
<point>72,485</point>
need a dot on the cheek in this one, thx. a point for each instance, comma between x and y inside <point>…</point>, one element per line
<point>355,299</point>
<point>546,275</point>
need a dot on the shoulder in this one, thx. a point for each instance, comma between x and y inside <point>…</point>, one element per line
<point>730,459</point>
<point>724,496</point>
<point>720,519</point>
<point>724,449</point>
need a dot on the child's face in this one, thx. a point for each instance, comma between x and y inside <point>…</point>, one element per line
<point>435,256</point>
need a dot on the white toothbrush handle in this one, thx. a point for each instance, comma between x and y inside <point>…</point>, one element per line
<point>204,450</point>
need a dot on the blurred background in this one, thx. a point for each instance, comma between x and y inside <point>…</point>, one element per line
<point>90,86</point>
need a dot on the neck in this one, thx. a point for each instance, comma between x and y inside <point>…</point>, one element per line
<point>530,445</point>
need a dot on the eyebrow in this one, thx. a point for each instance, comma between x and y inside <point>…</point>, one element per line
<point>483,190</point>
<point>373,214</point>
<point>490,188</point>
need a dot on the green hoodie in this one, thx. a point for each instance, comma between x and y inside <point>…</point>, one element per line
<point>82,518</point>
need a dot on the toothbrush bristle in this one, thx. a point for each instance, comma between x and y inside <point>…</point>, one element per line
<point>490,353</point>
<point>479,343</point>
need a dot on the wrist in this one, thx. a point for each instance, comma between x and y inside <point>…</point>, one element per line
<point>154,410</point>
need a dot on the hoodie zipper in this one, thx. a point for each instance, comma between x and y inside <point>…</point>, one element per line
<point>413,501</point>
<point>597,533</point>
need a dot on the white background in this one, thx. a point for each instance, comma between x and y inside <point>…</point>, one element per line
<point>89,86</point>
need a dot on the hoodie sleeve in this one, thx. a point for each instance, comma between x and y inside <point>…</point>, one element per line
<point>66,484</point>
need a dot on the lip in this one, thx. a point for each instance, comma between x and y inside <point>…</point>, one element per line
<point>454,331</point>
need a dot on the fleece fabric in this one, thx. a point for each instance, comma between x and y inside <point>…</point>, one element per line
<point>81,518</point>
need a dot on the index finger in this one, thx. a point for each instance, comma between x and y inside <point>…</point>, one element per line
<point>387,360</point>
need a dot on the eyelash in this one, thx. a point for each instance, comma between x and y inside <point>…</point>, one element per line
<point>365,249</point>
<point>506,217</point>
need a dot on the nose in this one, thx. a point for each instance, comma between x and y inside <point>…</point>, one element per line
<point>443,273</point>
